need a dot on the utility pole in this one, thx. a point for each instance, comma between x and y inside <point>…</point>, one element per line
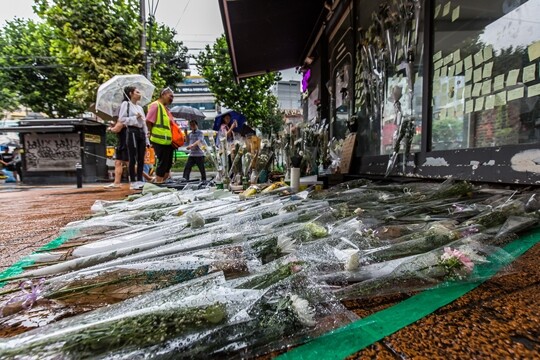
<point>145,51</point>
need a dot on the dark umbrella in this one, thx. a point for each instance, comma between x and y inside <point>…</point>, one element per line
<point>187,112</point>
<point>240,120</point>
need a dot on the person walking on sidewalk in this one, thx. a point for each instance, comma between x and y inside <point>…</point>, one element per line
<point>132,116</point>
<point>196,154</point>
<point>158,121</point>
<point>121,156</point>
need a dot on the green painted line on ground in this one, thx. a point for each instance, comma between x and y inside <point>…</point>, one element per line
<point>354,337</point>
<point>19,266</point>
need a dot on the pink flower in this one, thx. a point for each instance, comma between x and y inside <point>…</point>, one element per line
<point>450,253</point>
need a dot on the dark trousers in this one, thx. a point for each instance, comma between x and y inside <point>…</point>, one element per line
<point>136,150</point>
<point>195,160</point>
<point>164,154</point>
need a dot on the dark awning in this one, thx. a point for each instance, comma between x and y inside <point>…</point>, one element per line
<point>267,35</point>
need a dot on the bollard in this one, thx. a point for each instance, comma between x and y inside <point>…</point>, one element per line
<point>79,173</point>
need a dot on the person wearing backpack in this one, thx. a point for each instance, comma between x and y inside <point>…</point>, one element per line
<point>159,120</point>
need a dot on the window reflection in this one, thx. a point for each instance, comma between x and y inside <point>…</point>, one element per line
<point>486,73</point>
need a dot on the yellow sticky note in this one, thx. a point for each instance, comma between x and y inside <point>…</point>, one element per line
<point>459,109</point>
<point>500,98</point>
<point>479,104</point>
<point>468,62</point>
<point>438,64</point>
<point>488,52</point>
<point>498,84</point>
<point>467,92</point>
<point>478,58</point>
<point>533,90</point>
<point>486,87</point>
<point>448,59</point>
<point>512,77</point>
<point>478,75</point>
<point>490,102</point>
<point>437,10</point>
<point>469,106</point>
<point>437,56</point>
<point>436,73</point>
<point>444,71</point>
<point>459,67</point>
<point>529,73</point>
<point>476,89</point>
<point>468,75</point>
<point>488,69</point>
<point>455,14</point>
<point>456,56</point>
<point>534,51</point>
<point>451,70</point>
<point>459,93</point>
<point>516,94</point>
<point>446,9</point>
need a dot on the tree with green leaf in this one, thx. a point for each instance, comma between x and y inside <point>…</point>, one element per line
<point>100,39</point>
<point>30,75</point>
<point>252,96</point>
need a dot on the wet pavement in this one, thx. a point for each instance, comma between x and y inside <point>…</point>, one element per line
<point>498,320</point>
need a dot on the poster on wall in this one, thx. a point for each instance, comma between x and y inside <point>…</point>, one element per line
<point>52,152</point>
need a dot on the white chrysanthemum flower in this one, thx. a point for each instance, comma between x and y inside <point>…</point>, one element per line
<point>350,258</point>
<point>302,309</point>
<point>286,244</point>
<point>359,211</point>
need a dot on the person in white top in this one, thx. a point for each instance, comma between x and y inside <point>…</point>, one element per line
<point>132,116</point>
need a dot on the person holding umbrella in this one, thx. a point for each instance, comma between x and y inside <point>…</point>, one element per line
<point>196,154</point>
<point>132,116</point>
<point>158,121</point>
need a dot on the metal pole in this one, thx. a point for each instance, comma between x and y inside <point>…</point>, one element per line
<point>143,36</point>
<point>149,47</point>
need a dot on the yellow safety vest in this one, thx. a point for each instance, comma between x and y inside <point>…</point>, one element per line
<point>161,131</point>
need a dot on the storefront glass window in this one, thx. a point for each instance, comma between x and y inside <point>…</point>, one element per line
<point>388,76</point>
<point>486,64</point>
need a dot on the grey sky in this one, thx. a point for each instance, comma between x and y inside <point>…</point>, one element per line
<point>198,22</point>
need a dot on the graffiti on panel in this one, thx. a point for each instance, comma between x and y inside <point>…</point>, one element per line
<point>52,152</point>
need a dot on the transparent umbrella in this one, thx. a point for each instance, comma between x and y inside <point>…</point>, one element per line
<point>187,113</point>
<point>110,94</point>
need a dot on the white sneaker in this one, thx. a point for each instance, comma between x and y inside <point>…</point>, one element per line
<point>137,185</point>
<point>111,186</point>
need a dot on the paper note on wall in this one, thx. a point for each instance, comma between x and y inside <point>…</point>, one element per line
<point>512,77</point>
<point>460,93</point>
<point>534,51</point>
<point>455,14</point>
<point>479,104</point>
<point>469,106</point>
<point>533,90</point>
<point>498,84</point>
<point>500,98</point>
<point>486,87</point>
<point>468,62</point>
<point>468,91</point>
<point>446,9</point>
<point>459,67</point>
<point>478,58</point>
<point>516,94</point>
<point>438,64</point>
<point>451,70</point>
<point>488,53</point>
<point>459,109</point>
<point>476,89</point>
<point>477,75</point>
<point>448,59</point>
<point>437,11</point>
<point>490,102</point>
<point>437,56</point>
<point>468,75</point>
<point>444,71</point>
<point>488,69</point>
<point>529,73</point>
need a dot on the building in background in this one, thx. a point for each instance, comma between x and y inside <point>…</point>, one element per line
<point>194,92</point>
